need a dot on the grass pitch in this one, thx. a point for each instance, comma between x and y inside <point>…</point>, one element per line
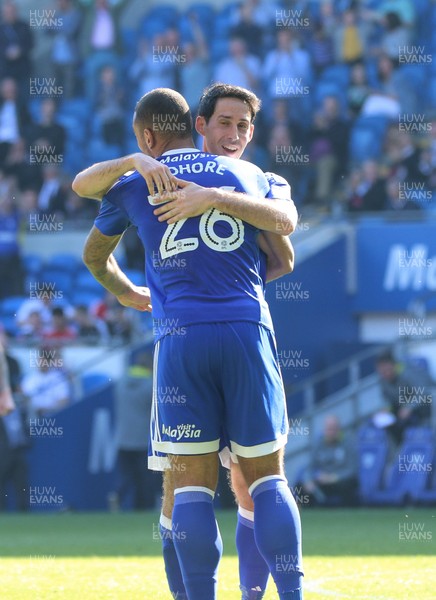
<point>357,554</point>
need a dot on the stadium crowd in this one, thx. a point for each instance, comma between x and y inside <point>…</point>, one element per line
<point>346,86</point>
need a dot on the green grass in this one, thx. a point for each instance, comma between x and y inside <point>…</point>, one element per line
<point>348,554</point>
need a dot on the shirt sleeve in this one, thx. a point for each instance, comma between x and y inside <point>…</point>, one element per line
<point>279,187</point>
<point>111,220</point>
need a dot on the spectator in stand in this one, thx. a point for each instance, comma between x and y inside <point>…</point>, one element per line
<point>109,107</point>
<point>195,72</point>
<point>65,50</point>
<point>90,330</point>
<point>263,12</point>
<point>14,117</point>
<point>350,38</point>
<point>405,391</point>
<point>48,128</point>
<point>16,43</point>
<point>13,441</point>
<point>287,159</point>
<point>404,157</point>
<point>51,196</point>
<point>117,318</point>
<point>59,331</point>
<point>396,36</point>
<point>391,97</point>
<point>246,28</point>
<point>11,270</point>
<point>367,189</point>
<point>358,90</point>
<point>287,67</point>
<point>18,164</point>
<point>41,299</point>
<point>329,149</point>
<point>332,476</point>
<point>240,67</point>
<point>101,39</point>
<point>33,328</point>
<point>132,418</point>
<point>404,9</point>
<point>321,49</point>
<point>147,72</point>
<point>398,200</point>
<point>46,386</point>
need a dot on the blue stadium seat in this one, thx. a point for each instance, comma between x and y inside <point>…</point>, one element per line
<point>64,261</point>
<point>84,281</point>
<point>91,382</point>
<point>61,280</point>
<point>32,263</point>
<point>373,451</point>
<point>329,88</point>
<point>205,15</point>
<point>85,297</point>
<point>339,74</point>
<point>9,324</point>
<point>409,474</point>
<point>10,305</point>
<point>367,137</point>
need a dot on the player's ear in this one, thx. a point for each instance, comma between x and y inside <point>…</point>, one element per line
<point>149,138</point>
<point>200,123</point>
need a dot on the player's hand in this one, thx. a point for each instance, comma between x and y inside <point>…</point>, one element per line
<point>138,297</point>
<point>190,200</point>
<point>157,175</point>
<point>7,404</point>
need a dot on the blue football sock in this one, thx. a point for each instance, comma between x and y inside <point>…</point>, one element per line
<point>197,541</point>
<point>277,530</point>
<point>172,567</point>
<point>253,570</point>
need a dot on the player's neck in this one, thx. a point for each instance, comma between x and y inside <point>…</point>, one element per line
<point>176,144</point>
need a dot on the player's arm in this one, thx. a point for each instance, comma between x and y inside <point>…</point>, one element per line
<point>7,404</point>
<point>279,254</point>
<point>97,256</point>
<point>95,181</point>
<point>193,200</point>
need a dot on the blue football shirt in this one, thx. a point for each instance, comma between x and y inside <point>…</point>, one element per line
<point>203,269</point>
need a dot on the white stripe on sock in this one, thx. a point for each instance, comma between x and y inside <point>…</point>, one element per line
<point>194,488</point>
<point>254,485</point>
<point>165,522</point>
<point>247,514</point>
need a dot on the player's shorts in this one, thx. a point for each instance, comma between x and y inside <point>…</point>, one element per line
<point>159,461</point>
<point>215,377</point>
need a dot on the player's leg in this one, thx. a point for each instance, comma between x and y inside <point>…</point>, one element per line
<point>171,560</point>
<point>253,570</point>
<point>187,429</point>
<point>257,427</point>
<point>196,536</point>
<point>277,526</point>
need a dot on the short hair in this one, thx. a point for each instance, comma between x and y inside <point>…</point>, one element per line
<point>214,92</point>
<point>164,111</point>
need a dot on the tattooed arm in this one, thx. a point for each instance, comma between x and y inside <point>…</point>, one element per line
<point>97,256</point>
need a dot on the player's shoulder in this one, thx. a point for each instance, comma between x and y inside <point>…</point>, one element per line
<point>239,166</point>
<point>131,179</point>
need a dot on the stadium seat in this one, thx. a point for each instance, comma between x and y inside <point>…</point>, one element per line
<point>373,449</point>
<point>367,137</point>
<point>9,324</point>
<point>61,280</point>
<point>84,281</point>
<point>32,263</point>
<point>85,297</point>
<point>91,382</point>
<point>339,74</point>
<point>408,483</point>
<point>64,261</point>
<point>9,306</point>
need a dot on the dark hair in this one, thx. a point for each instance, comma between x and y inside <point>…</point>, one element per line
<point>165,112</point>
<point>214,92</point>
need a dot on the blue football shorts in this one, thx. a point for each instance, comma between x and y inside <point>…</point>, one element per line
<point>213,381</point>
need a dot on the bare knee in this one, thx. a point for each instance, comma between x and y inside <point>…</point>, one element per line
<point>240,487</point>
<point>198,470</point>
<point>262,466</point>
<point>168,494</point>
